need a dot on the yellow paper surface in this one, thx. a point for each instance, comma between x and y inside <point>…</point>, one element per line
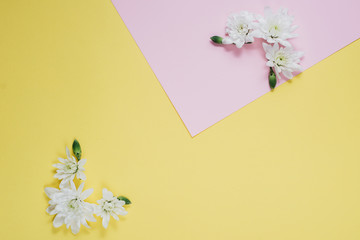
<point>284,167</point>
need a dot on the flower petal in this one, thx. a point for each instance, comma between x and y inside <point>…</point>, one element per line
<point>105,220</point>
<point>267,12</point>
<point>249,38</point>
<point>284,43</point>
<point>82,162</point>
<point>266,47</point>
<point>276,47</point>
<point>115,216</point>
<point>70,185</point>
<point>75,227</point>
<point>59,176</point>
<point>62,160</point>
<point>80,175</point>
<point>239,44</point>
<point>81,187</point>
<point>257,33</point>
<point>90,218</point>
<point>50,191</point>
<point>123,212</point>
<point>50,209</point>
<point>287,74</point>
<point>65,183</point>
<point>270,64</point>
<point>86,193</point>
<point>83,222</point>
<point>107,195</point>
<point>58,165</point>
<point>68,152</point>
<point>58,221</point>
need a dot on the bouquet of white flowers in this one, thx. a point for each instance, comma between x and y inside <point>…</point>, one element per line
<point>68,203</point>
<point>242,28</point>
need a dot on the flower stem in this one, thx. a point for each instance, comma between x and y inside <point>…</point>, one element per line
<point>272,78</point>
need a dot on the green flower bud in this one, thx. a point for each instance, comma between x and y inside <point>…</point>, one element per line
<point>76,149</point>
<point>125,199</point>
<point>217,39</point>
<point>272,79</point>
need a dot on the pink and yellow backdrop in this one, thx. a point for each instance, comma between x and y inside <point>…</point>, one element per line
<point>284,167</point>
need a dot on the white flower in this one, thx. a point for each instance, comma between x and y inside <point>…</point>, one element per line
<point>68,169</point>
<point>240,29</point>
<point>276,28</point>
<point>109,205</point>
<point>282,60</point>
<point>69,206</point>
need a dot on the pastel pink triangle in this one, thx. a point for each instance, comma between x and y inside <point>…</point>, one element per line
<point>206,83</point>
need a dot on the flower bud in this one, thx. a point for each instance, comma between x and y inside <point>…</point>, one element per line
<point>272,79</point>
<point>125,199</point>
<point>217,39</point>
<point>76,149</point>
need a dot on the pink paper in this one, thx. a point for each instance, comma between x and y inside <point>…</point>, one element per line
<point>205,82</point>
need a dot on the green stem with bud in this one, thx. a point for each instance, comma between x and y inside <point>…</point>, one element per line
<point>217,39</point>
<point>272,78</point>
<point>125,199</point>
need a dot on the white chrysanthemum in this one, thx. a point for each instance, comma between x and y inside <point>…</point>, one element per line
<point>282,60</point>
<point>240,29</point>
<point>276,28</point>
<point>69,206</point>
<point>108,206</point>
<point>68,168</point>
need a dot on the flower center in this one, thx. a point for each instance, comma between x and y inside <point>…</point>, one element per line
<point>274,31</point>
<point>71,168</point>
<point>243,29</point>
<point>281,60</point>
<point>74,203</point>
<point>108,206</point>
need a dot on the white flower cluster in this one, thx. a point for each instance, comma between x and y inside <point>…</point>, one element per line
<point>68,203</point>
<point>275,28</point>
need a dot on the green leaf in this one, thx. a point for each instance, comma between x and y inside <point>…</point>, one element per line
<point>125,199</point>
<point>216,39</point>
<point>272,79</point>
<point>76,149</point>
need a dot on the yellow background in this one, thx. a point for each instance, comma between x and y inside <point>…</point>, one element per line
<point>284,167</point>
